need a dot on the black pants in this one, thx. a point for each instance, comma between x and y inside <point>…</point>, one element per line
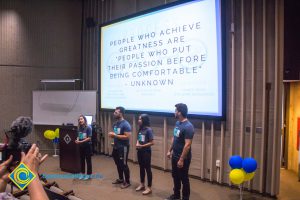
<point>120,156</point>
<point>181,176</point>
<point>144,159</point>
<point>85,156</point>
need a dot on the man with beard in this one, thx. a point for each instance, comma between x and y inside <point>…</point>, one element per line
<point>121,134</point>
<point>180,151</point>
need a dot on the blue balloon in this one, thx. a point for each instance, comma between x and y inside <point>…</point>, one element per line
<point>55,140</point>
<point>236,162</point>
<point>249,165</point>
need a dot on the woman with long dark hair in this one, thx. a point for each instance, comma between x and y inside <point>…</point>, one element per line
<point>85,147</point>
<point>143,146</point>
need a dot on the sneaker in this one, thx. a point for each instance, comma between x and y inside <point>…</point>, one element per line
<point>147,191</point>
<point>139,188</point>
<point>86,177</point>
<point>173,197</point>
<point>125,185</point>
<point>81,176</point>
<point>117,181</point>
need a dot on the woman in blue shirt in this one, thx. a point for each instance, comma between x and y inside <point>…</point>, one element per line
<point>143,146</point>
<point>85,147</point>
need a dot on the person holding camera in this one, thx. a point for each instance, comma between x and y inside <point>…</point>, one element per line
<point>85,147</point>
<point>143,146</point>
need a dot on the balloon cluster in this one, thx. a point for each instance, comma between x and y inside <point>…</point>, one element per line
<point>52,135</point>
<point>242,169</point>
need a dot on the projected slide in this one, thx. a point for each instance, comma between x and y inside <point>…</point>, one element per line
<point>171,55</point>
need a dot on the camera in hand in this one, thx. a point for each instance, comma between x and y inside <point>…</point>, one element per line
<point>15,137</point>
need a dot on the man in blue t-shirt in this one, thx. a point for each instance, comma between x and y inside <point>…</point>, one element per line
<point>180,151</point>
<point>121,134</point>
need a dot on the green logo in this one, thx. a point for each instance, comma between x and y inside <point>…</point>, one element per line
<point>22,176</point>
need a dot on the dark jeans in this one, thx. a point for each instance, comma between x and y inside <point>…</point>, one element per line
<point>120,156</point>
<point>144,159</point>
<point>85,155</point>
<point>181,176</point>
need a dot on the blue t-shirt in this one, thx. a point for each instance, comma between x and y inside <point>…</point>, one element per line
<point>120,127</point>
<point>84,132</point>
<point>145,135</point>
<point>183,130</point>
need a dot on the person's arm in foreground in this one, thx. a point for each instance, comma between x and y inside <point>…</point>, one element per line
<point>32,161</point>
<point>4,174</point>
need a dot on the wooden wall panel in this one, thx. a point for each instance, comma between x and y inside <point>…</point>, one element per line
<point>294,114</point>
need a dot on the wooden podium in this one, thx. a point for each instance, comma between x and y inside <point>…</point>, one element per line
<point>69,151</point>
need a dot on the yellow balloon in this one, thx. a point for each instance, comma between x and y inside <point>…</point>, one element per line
<point>237,176</point>
<point>249,176</point>
<point>46,134</point>
<point>49,134</point>
<point>56,133</point>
